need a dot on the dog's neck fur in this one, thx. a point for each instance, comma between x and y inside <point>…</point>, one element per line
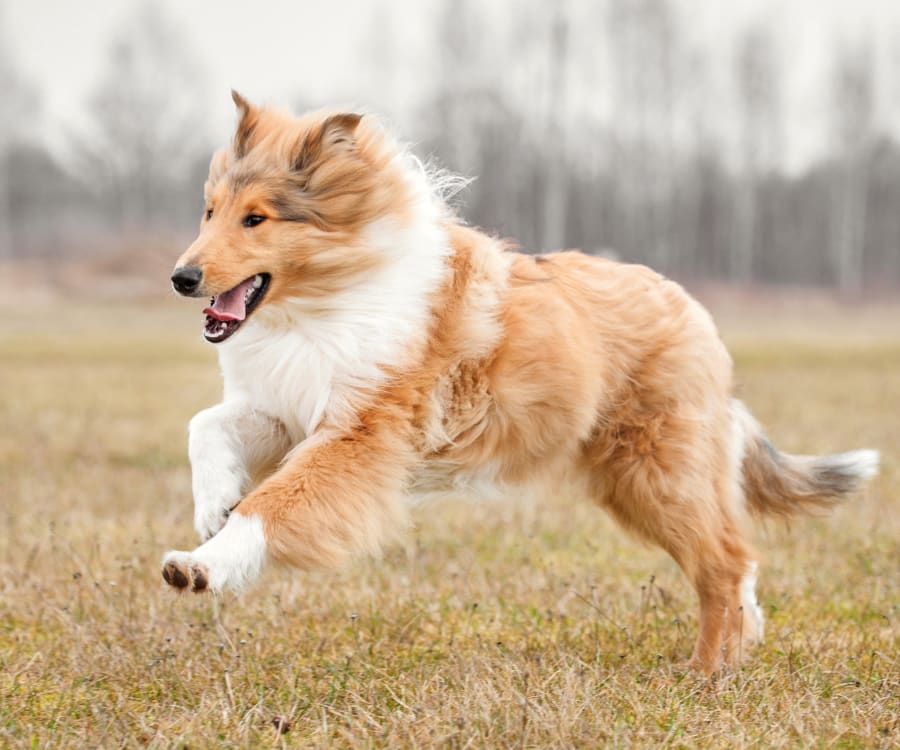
<point>304,358</point>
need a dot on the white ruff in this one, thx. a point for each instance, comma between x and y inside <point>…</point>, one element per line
<point>301,358</point>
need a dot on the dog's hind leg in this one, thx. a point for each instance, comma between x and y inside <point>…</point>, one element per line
<point>728,619</point>
<point>673,488</point>
<point>711,550</point>
<point>230,444</point>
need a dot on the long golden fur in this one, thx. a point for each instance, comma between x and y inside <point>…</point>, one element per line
<point>507,371</point>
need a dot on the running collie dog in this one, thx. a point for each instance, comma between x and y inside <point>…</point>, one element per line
<point>375,351</point>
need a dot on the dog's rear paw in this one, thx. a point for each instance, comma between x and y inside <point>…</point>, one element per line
<point>181,571</point>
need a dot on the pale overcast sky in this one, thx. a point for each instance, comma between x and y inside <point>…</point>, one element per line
<point>278,50</point>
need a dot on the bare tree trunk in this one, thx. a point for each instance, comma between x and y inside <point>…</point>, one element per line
<point>743,244</point>
<point>853,100</point>
<point>849,224</point>
<point>554,199</point>
<point>756,76</point>
<point>6,236</point>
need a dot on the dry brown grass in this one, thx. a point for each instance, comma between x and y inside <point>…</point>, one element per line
<point>493,627</point>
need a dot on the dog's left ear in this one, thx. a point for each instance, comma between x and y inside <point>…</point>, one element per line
<point>248,117</point>
<point>337,132</point>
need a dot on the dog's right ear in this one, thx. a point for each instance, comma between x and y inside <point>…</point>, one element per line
<point>337,131</point>
<point>248,117</point>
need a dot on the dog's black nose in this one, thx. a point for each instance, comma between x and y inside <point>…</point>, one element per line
<point>186,279</point>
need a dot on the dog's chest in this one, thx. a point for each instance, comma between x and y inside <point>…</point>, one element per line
<point>293,379</point>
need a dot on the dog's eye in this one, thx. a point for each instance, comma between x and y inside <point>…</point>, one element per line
<point>253,220</point>
<point>208,214</point>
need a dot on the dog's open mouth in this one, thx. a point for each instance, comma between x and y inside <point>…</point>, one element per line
<point>228,310</point>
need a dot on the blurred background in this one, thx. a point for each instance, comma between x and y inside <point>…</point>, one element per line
<point>748,148</point>
<point>753,142</point>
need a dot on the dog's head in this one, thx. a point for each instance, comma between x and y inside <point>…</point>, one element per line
<point>287,208</point>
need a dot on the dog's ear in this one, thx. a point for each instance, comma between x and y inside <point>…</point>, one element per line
<point>248,117</point>
<point>341,128</point>
<point>336,133</point>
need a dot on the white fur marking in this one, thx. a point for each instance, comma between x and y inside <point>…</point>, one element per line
<point>750,603</point>
<point>218,474</point>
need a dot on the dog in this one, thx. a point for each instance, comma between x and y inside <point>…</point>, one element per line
<point>377,351</point>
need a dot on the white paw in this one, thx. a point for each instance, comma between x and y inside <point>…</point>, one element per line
<point>181,571</point>
<point>231,559</point>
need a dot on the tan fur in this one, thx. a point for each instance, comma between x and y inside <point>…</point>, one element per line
<point>533,371</point>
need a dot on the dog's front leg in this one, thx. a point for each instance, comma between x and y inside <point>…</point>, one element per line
<point>339,493</point>
<point>228,445</point>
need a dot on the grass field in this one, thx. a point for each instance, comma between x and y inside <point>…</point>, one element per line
<point>494,626</point>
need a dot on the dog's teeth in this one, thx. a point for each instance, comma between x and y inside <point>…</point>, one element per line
<point>257,281</point>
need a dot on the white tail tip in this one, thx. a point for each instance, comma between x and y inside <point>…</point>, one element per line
<point>863,464</point>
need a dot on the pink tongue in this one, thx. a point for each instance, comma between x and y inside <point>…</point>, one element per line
<point>230,305</point>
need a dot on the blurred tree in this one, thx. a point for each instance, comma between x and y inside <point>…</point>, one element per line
<point>647,60</point>
<point>149,126</point>
<point>613,124</point>
<point>382,71</point>
<point>462,84</point>
<point>853,112</point>
<point>882,250</point>
<point>20,107</point>
<point>756,73</point>
<point>476,130</point>
<point>554,197</point>
<point>50,206</point>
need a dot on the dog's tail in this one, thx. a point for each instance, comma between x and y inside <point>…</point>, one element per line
<point>780,484</point>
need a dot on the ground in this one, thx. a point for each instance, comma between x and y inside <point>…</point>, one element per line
<point>493,626</point>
